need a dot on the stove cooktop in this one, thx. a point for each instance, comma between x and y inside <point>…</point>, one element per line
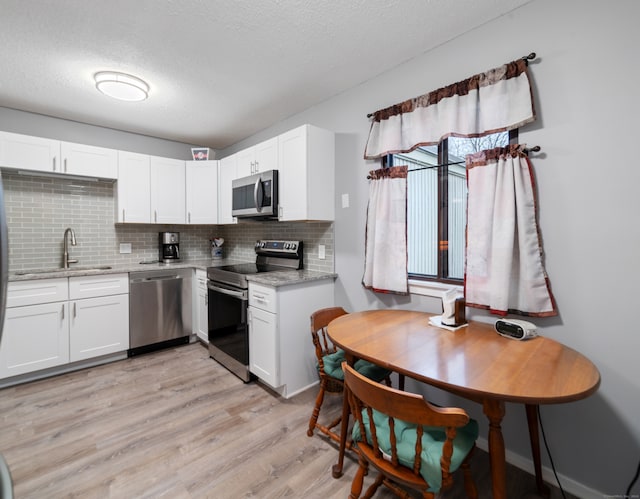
<point>249,268</point>
<point>272,256</point>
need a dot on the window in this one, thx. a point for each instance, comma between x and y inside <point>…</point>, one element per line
<point>437,204</point>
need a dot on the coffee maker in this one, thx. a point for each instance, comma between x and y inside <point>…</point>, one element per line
<point>169,247</point>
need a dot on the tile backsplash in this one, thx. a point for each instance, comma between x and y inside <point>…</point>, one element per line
<point>39,209</point>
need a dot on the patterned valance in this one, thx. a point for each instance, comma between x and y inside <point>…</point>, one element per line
<point>494,101</point>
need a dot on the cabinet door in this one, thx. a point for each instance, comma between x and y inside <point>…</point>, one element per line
<point>307,174</point>
<point>90,161</point>
<point>35,337</point>
<point>292,178</point>
<point>167,191</point>
<point>134,192</point>
<point>263,346</point>
<point>98,326</point>
<point>202,192</point>
<point>29,153</point>
<point>226,174</point>
<point>266,155</point>
<point>258,158</point>
<point>201,303</point>
<point>245,162</point>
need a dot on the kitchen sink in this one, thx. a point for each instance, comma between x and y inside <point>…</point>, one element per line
<point>60,270</point>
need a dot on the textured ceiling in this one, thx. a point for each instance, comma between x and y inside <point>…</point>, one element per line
<point>219,70</point>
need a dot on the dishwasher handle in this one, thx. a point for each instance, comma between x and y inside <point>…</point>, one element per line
<point>153,279</point>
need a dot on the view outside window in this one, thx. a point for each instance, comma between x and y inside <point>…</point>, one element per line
<point>436,242</point>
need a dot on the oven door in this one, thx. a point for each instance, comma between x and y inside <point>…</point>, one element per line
<point>228,328</point>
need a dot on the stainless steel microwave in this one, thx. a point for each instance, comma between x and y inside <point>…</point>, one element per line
<point>255,196</point>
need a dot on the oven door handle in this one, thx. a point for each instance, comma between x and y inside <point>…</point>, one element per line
<point>236,294</point>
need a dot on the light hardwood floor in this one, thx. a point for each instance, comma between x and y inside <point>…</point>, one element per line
<point>176,424</point>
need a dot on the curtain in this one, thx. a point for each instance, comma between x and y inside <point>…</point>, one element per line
<point>504,268</point>
<point>494,101</point>
<point>385,265</point>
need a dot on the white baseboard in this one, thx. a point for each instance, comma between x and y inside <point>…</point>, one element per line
<point>525,464</point>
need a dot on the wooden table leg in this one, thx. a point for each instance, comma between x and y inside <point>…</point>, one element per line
<point>494,410</point>
<point>534,437</point>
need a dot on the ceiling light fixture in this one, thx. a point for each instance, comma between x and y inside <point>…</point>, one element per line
<point>121,86</point>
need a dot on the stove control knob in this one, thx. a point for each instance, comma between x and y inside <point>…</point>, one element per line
<point>287,245</point>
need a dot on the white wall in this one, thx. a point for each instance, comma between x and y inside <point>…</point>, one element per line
<point>585,81</point>
<point>39,125</point>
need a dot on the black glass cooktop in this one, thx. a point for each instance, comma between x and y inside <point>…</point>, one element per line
<point>249,268</point>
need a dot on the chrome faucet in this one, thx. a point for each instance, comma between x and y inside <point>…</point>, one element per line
<point>65,253</point>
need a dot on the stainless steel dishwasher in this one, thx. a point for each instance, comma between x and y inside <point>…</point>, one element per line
<point>159,309</point>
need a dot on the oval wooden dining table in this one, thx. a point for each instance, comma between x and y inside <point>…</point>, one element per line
<point>473,362</point>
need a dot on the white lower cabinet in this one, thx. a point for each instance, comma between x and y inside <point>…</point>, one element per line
<point>52,322</point>
<point>281,352</point>
<point>98,326</point>
<point>34,337</point>
<point>263,346</point>
<point>202,307</point>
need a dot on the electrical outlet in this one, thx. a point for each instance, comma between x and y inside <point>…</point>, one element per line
<point>321,252</point>
<point>125,247</point>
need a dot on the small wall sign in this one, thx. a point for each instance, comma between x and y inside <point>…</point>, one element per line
<point>200,153</point>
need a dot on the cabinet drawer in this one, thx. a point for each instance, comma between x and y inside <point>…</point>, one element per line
<point>21,293</point>
<point>102,285</point>
<point>263,297</point>
<point>201,279</point>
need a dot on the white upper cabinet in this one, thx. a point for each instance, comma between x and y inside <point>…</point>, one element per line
<point>202,192</point>
<point>134,189</point>
<point>89,161</point>
<point>167,191</point>
<point>258,158</point>
<point>29,153</point>
<point>306,176</point>
<point>227,172</point>
<point>36,154</point>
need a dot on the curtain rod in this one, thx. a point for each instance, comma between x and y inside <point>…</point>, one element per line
<point>526,151</point>
<point>525,58</point>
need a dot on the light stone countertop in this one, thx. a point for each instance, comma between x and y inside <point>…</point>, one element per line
<point>288,277</point>
<point>279,278</point>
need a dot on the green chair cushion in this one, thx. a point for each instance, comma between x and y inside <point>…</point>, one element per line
<point>433,440</point>
<point>333,367</point>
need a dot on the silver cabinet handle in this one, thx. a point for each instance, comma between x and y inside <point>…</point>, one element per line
<point>155,215</point>
<point>123,215</point>
<point>54,163</point>
<point>75,311</point>
<point>65,165</point>
<point>63,311</point>
<point>189,217</point>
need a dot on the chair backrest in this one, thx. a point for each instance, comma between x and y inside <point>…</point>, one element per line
<point>320,319</point>
<point>365,395</point>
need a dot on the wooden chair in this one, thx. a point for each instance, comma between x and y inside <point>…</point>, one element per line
<point>411,443</point>
<point>331,375</point>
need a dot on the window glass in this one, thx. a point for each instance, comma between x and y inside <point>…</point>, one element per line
<point>436,238</point>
